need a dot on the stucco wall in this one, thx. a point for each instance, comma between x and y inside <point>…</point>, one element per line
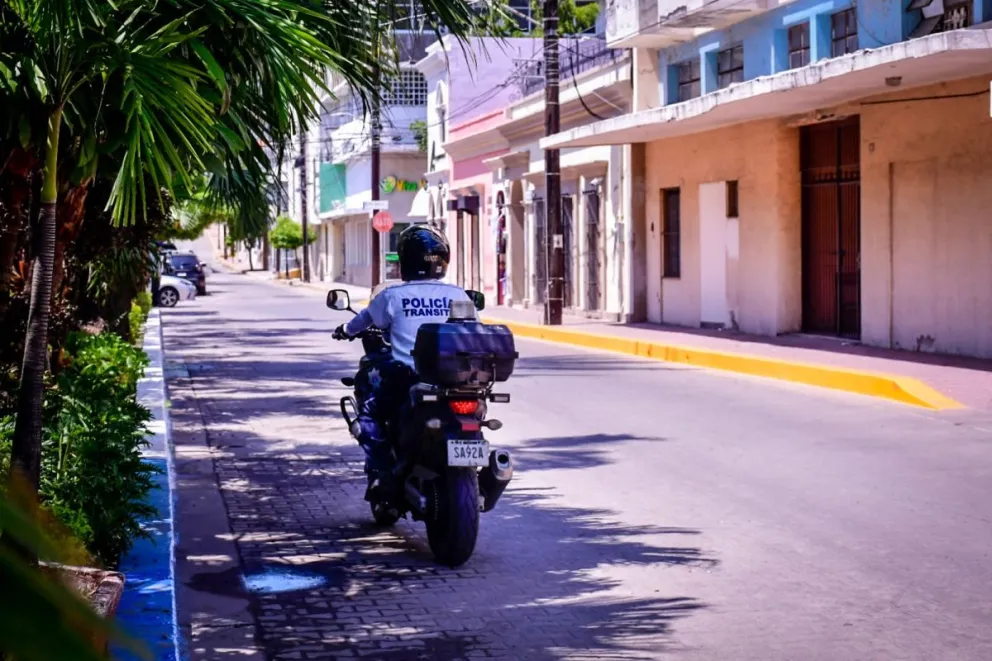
<point>764,158</point>
<point>926,223</point>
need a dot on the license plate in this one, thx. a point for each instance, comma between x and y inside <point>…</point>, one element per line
<point>181,275</point>
<point>468,453</point>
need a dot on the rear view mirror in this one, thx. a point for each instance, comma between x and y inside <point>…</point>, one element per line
<point>338,299</point>
<point>478,299</point>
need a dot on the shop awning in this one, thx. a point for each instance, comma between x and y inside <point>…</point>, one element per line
<point>420,204</point>
<point>829,83</point>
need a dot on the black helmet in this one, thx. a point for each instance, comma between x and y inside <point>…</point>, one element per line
<point>423,253</point>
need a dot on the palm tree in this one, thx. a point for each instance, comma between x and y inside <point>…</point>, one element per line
<point>155,94</point>
<point>72,47</point>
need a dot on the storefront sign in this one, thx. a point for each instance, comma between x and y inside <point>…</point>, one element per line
<point>394,185</point>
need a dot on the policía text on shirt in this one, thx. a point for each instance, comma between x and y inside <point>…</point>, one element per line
<point>426,307</point>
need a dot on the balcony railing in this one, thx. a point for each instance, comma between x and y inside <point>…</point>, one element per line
<point>574,57</point>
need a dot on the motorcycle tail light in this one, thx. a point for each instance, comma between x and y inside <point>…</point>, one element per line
<point>464,406</point>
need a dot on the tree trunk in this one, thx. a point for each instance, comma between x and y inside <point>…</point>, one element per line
<point>265,251</point>
<point>251,265</point>
<point>26,449</point>
<point>71,212</point>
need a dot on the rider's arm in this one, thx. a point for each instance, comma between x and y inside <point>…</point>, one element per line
<point>376,314</point>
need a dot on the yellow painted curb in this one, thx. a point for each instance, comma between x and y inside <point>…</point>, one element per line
<point>897,388</point>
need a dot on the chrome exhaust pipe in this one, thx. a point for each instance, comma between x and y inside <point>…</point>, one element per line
<point>494,478</point>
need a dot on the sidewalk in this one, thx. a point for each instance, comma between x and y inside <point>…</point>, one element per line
<point>953,381</point>
<point>927,380</point>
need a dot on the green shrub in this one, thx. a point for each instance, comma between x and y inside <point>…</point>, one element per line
<point>140,307</point>
<point>6,434</point>
<point>94,479</point>
<point>144,301</point>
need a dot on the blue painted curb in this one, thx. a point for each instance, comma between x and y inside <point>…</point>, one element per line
<point>148,606</point>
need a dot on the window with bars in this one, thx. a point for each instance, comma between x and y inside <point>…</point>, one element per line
<point>799,45</point>
<point>956,15</point>
<point>689,87</point>
<point>407,89</point>
<point>844,32</point>
<point>671,208</point>
<point>730,66</point>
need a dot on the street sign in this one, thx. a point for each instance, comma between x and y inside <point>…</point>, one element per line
<point>382,221</point>
<point>375,205</point>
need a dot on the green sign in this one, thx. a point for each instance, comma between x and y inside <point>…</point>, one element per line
<point>332,186</point>
<point>392,184</point>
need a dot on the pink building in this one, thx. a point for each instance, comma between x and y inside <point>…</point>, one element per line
<point>468,89</point>
<point>474,226</point>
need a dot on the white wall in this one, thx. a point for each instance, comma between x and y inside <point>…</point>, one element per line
<point>926,221</point>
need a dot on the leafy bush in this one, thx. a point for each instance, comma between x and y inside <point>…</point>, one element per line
<point>288,234</point>
<point>93,477</point>
<point>419,128</point>
<point>140,307</point>
<point>144,301</point>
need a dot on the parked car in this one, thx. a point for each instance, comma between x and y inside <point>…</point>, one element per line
<point>187,265</point>
<point>171,290</point>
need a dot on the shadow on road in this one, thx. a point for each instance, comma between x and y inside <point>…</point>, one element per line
<point>548,580</point>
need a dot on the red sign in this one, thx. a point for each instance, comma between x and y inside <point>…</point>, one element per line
<point>382,221</point>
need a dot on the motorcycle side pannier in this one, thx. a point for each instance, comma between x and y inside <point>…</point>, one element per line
<point>455,354</point>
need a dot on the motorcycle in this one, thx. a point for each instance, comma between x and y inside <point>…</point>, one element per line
<point>445,472</point>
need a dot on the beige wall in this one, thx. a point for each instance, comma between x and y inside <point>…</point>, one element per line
<point>926,223</point>
<point>764,158</point>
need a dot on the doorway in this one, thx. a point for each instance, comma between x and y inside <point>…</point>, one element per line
<point>830,162</point>
<point>567,217</point>
<point>540,252</point>
<point>594,250</point>
<point>501,249</point>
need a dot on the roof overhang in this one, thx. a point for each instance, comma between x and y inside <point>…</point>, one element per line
<point>590,167</point>
<point>341,214</point>
<point>937,58</point>
<point>508,160</point>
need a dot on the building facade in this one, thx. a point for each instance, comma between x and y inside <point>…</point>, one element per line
<point>466,83</point>
<point>810,166</point>
<point>504,150</point>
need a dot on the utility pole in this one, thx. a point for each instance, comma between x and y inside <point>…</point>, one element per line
<point>303,204</point>
<point>555,249</point>
<point>376,130</point>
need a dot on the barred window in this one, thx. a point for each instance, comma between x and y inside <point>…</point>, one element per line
<point>689,80</point>
<point>408,89</point>
<point>799,45</point>
<point>844,32</point>
<point>730,66</point>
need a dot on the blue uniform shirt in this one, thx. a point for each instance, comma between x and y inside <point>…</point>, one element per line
<point>403,308</point>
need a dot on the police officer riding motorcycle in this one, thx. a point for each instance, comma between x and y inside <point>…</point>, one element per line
<point>421,398</point>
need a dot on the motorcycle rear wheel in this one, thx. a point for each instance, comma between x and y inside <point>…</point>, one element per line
<point>453,523</point>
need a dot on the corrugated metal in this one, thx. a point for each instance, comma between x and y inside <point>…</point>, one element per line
<point>830,160</point>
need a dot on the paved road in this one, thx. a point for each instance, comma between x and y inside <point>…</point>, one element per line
<point>658,512</point>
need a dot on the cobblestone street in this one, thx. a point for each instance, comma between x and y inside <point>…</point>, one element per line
<point>639,524</point>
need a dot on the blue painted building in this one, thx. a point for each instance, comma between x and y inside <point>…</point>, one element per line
<point>815,166</point>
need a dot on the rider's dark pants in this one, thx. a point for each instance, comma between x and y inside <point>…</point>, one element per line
<point>389,383</point>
